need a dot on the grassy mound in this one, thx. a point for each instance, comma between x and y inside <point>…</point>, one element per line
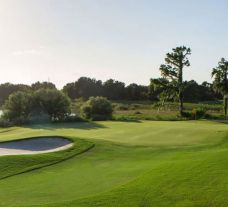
<point>13,165</point>
<point>180,164</point>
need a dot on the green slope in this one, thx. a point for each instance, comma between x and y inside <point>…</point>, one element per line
<point>153,133</point>
<point>157,164</point>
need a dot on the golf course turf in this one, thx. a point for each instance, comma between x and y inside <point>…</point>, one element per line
<point>135,164</point>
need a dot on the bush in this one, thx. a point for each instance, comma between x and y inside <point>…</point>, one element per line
<point>198,113</point>
<point>187,114</point>
<point>97,108</point>
<point>72,118</point>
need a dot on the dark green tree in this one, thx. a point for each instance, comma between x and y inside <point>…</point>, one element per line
<point>46,85</point>
<point>22,107</point>
<point>136,92</point>
<point>97,108</point>
<point>220,83</point>
<point>17,108</point>
<point>158,89</point>
<point>172,71</point>
<point>70,90</point>
<point>114,90</point>
<point>195,92</point>
<point>52,102</point>
<point>84,88</point>
<point>8,88</point>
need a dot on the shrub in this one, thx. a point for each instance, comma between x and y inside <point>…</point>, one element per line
<point>198,113</point>
<point>72,118</point>
<point>97,108</point>
<point>187,114</point>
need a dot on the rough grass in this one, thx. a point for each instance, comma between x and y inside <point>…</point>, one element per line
<point>157,164</point>
<point>145,110</point>
<point>148,110</point>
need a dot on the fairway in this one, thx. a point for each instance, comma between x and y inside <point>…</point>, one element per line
<point>145,163</point>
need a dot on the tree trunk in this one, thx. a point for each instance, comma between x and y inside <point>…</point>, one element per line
<point>225,105</point>
<point>180,83</point>
<point>181,105</point>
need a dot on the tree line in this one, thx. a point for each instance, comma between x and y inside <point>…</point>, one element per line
<point>6,89</point>
<point>171,86</point>
<point>86,87</point>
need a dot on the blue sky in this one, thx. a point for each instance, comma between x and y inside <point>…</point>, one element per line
<point>61,40</point>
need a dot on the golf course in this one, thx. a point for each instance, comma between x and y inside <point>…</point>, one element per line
<point>111,163</point>
<point>113,103</point>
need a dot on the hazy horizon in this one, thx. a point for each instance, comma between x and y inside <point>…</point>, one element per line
<point>126,40</point>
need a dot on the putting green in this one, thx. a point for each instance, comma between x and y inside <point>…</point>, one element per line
<point>179,164</point>
<point>146,133</point>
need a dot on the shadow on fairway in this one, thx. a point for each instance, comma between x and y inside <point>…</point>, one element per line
<point>221,121</point>
<point>129,121</point>
<point>73,125</point>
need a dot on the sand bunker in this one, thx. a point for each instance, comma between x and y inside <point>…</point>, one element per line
<point>34,146</point>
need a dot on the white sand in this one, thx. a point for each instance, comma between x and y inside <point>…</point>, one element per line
<point>34,146</point>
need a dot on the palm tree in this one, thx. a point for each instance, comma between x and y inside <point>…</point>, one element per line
<point>220,83</point>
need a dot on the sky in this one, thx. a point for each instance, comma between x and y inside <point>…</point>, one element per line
<point>62,40</point>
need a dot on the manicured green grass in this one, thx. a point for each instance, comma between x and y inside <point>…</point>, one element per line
<point>157,164</point>
<point>145,133</point>
<point>14,165</point>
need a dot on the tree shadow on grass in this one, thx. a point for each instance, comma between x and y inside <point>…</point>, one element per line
<point>221,121</point>
<point>129,121</point>
<point>72,125</point>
